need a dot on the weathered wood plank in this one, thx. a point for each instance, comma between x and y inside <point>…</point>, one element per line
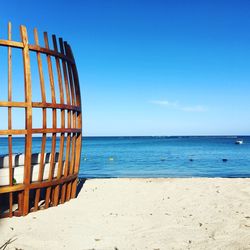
<point>28,114</point>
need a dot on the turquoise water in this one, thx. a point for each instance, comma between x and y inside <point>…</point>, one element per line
<point>165,157</point>
<point>155,156</point>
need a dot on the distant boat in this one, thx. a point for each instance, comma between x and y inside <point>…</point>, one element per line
<point>239,142</point>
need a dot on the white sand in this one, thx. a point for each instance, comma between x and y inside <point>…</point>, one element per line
<point>141,214</point>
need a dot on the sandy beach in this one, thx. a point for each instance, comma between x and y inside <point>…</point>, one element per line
<point>111,214</point>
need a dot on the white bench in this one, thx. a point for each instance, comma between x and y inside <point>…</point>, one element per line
<point>18,167</point>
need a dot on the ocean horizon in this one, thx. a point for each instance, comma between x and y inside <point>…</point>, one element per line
<point>155,156</point>
<point>165,156</point>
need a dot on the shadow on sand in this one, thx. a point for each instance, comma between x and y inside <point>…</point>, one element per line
<point>4,199</point>
<point>80,184</point>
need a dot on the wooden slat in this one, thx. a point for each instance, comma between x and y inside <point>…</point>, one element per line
<point>53,182</point>
<point>34,185</point>
<point>40,131</point>
<point>10,120</point>
<point>15,188</point>
<point>66,167</point>
<point>65,72</point>
<point>13,104</point>
<point>44,118</point>
<point>68,141</point>
<point>73,146</point>
<point>76,79</point>
<point>76,141</point>
<point>72,90</point>
<point>54,121</point>
<point>72,120</point>
<point>55,105</point>
<point>28,120</point>
<point>79,122</point>
<point>51,171</point>
<point>40,68</point>
<point>78,148</point>
<point>11,44</point>
<point>49,52</point>
<point>60,162</point>
<point>58,68</point>
<point>72,160</point>
<point>13,132</point>
<point>34,47</point>
<point>59,170</point>
<point>51,77</point>
<point>55,130</point>
<point>41,170</point>
<point>71,167</point>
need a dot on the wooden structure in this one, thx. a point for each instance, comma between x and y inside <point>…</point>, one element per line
<point>66,123</point>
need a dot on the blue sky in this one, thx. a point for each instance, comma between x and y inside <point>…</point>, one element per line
<point>152,67</point>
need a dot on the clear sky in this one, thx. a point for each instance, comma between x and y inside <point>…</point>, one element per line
<point>152,67</point>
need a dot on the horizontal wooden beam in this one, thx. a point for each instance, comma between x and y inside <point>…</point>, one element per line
<point>53,182</point>
<point>55,130</point>
<point>8,189</point>
<point>33,185</point>
<point>40,131</point>
<point>50,52</point>
<point>40,105</point>
<point>56,106</point>
<point>13,132</point>
<point>11,44</point>
<point>36,48</point>
<point>13,104</point>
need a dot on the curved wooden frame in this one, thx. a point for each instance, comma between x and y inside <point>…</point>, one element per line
<point>63,187</point>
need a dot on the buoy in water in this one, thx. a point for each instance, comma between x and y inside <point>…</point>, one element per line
<point>111,158</point>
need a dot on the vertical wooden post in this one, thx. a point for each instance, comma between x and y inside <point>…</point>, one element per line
<point>10,120</point>
<point>54,123</point>
<point>72,122</point>
<point>68,141</point>
<point>28,118</point>
<point>79,123</point>
<point>44,118</point>
<point>61,150</point>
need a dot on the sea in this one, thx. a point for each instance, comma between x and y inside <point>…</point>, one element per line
<point>174,156</point>
<point>155,156</point>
